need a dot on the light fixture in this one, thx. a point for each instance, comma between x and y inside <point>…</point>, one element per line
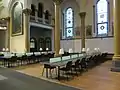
<point>88,49</point>
<point>40,49</point>
<point>70,50</point>
<point>47,49</point>
<point>7,49</point>
<point>3,28</point>
<point>83,50</point>
<point>61,51</point>
<point>96,50</point>
<point>3,49</point>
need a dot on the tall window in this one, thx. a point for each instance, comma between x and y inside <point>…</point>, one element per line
<point>68,22</point>
<point>102,17</point>
<point>33,9</point>
<point>40,10</point>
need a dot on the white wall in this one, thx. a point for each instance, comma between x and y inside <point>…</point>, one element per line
<point>17,43</point>
<point>105,44</point>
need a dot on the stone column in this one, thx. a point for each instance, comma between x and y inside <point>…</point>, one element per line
<point>8,33</point>
<point>82,16</point>
<point>57,26</point>
<point>53,34</point>
<point>26,28</point>
<point>116,57</point>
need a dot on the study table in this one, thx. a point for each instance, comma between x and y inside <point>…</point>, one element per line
<point>62,61</point>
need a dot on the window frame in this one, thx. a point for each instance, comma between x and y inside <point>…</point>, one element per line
<point>64,23</point>
<point>108,19</point>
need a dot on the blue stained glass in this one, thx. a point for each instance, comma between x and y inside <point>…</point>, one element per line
<point>102,17</point>
<point>69,22</point>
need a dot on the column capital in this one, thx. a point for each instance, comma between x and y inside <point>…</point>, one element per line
<point>82,14</point>
<point>7,18</point>
<point>57,2</point>
<point>27,11</point>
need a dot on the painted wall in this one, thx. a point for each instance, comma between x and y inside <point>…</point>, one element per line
<point>78,6</point>
<point>105,44</point>
<point>2,39</point>
<point>17,43</point>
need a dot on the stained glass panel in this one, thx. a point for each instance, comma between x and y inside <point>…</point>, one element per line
<point>102,28</point>
<point>102,17</point>
<point>69,23</point>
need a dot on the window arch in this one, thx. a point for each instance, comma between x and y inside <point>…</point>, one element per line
<point>33,9</point>
<point>47,15</point>
<point>40,10</point>
<point>102,17</point>
<point>69,23</point>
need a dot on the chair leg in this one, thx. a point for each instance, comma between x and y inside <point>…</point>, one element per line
<point>56,71</point>
<point>67,75</point>
<point>50,73</point>
<point>43,71</point>
<point>76,71</point>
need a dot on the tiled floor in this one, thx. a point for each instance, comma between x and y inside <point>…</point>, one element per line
<point>98,78</point>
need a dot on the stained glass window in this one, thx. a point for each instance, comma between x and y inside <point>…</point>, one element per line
<point>102,17</point>
<point>69,23</point>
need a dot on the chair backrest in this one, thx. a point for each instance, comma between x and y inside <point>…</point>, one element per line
<point>13,58</point>
<point>77,63</point>
<point>46,66</point>
<point>82,60</point>
<point>69,65</point>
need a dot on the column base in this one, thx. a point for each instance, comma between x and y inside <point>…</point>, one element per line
<point>57,55</point>
<point>116,64</point>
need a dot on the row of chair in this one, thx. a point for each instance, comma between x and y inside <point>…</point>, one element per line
<point>80,65</point>
<point>24,59</point>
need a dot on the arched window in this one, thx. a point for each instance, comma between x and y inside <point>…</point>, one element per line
<point>69,23</point>
<point>102,18</point>
<point>33,9</point>
<point>33,44</point>
<point>41,43</point>
<point>40,10</point>
<point>48,42</point>
<point>47,15</point>
<point>17,19</point>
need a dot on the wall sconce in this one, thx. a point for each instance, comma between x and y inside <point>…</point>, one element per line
<point>3,49</point>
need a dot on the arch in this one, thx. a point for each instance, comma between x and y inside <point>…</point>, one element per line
<point>41,43</point>
<point>48,43</point>
<point>11,5</point>
<point>47,14</point>
<point>69,23</point>
<point>102,19</point>
<point>33,9</point>
<point>17,18</point>
<point>33,44</point>
<point>40,10</point>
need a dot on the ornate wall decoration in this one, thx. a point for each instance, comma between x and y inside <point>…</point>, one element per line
<point>77,32</point>
<point>89,31</point>
<point>1,5</point>
<point>17,19</point>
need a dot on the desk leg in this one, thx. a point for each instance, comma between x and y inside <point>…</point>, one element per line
<point>58,72</point>
<point>46,72</point>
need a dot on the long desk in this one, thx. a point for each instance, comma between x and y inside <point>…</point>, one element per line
<point>60,62</point>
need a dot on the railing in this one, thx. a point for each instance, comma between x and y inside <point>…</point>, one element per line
<point>40,20</point>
